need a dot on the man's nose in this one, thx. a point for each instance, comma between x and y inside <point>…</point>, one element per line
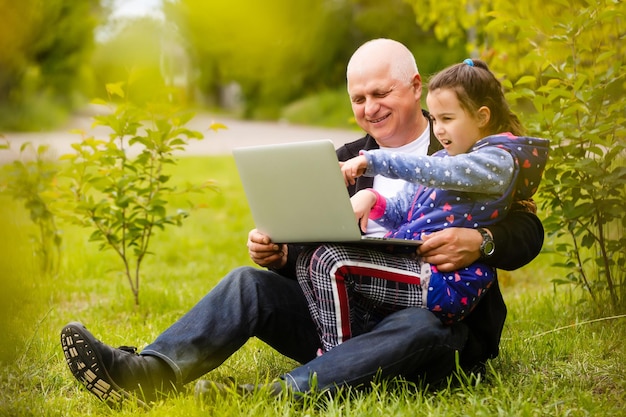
<point>371,106</point>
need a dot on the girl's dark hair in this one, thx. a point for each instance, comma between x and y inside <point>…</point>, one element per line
<point>476,86</point>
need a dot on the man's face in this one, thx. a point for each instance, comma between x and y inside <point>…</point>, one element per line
<point>386,108</point>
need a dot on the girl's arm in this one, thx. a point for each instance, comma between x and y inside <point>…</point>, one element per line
<point>487,171</point>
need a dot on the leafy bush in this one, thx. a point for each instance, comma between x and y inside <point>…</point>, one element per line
<point>123,198</point>
<point>576,91</point>
<point>564,67</point>
<point>30,178</point>
<point>119,188</point>
<point>44,66</point>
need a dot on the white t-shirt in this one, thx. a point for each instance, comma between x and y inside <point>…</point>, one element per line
<point>388,187</point>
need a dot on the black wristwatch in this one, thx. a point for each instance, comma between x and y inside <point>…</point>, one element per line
<point>488,247</point>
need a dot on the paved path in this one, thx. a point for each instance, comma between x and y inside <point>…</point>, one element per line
<point>238,133</point>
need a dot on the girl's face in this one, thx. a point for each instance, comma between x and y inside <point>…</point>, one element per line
<point>456,129</point>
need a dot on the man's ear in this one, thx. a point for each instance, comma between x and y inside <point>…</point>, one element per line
<point>484,116</point>
<point>417,84</point>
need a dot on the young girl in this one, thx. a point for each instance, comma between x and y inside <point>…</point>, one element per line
<point>483,168</point>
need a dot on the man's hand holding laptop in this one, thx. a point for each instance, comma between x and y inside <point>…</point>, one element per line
<point>264,252</point>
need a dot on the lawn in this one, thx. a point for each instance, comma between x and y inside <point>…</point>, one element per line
<point>557,357</point>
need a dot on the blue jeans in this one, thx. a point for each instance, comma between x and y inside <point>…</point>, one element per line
<point>251,302</point>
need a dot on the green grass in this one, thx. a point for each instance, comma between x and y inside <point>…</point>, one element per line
<point>576,371</point>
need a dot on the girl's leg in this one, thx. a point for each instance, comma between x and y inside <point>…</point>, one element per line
<point>453,295</point>
<point>353,288</point>
<point>302,272</point>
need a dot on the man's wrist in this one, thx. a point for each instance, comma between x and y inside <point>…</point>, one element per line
<point>487,246</point>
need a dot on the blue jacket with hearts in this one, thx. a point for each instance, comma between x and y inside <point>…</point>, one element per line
<point>467,190</point>
<point>474,189</point>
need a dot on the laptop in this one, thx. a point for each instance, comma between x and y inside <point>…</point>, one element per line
<point>297,194</point>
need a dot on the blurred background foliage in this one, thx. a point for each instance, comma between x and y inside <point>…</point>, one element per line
<point>250,59</point>
<point>45,63</point>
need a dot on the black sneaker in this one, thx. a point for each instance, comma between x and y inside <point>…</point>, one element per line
<point>113,375</point>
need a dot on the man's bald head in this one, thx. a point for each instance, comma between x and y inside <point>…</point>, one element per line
<point>398,59</point>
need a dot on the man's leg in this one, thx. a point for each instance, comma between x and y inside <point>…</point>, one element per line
<point>412,343</point>
<point>247,302</point>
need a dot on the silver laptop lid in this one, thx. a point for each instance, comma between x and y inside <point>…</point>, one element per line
<point>296,192</point>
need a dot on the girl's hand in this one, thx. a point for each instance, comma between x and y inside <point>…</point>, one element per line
<point>353,168</point>
<point>362,203</point>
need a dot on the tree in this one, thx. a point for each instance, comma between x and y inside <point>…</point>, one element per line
<point>279,51</point>
<point>30,178</point>
<point>134,53</point>
<point>269,48</point>
<point>395,19</point>
<point>122,198</point>
<point>565,68</point>
<point>44,68</point>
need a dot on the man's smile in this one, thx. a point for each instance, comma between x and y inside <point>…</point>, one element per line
<point>380,119</point>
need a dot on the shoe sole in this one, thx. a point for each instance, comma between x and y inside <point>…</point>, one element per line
<point>85,363</point>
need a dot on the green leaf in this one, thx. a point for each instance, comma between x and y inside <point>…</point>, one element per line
<point>99,101</point>
<point>526,79</point>
<point>214,126</point>
<point>606,55</point>
<point>115,89</point>
<point>157,210</point>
